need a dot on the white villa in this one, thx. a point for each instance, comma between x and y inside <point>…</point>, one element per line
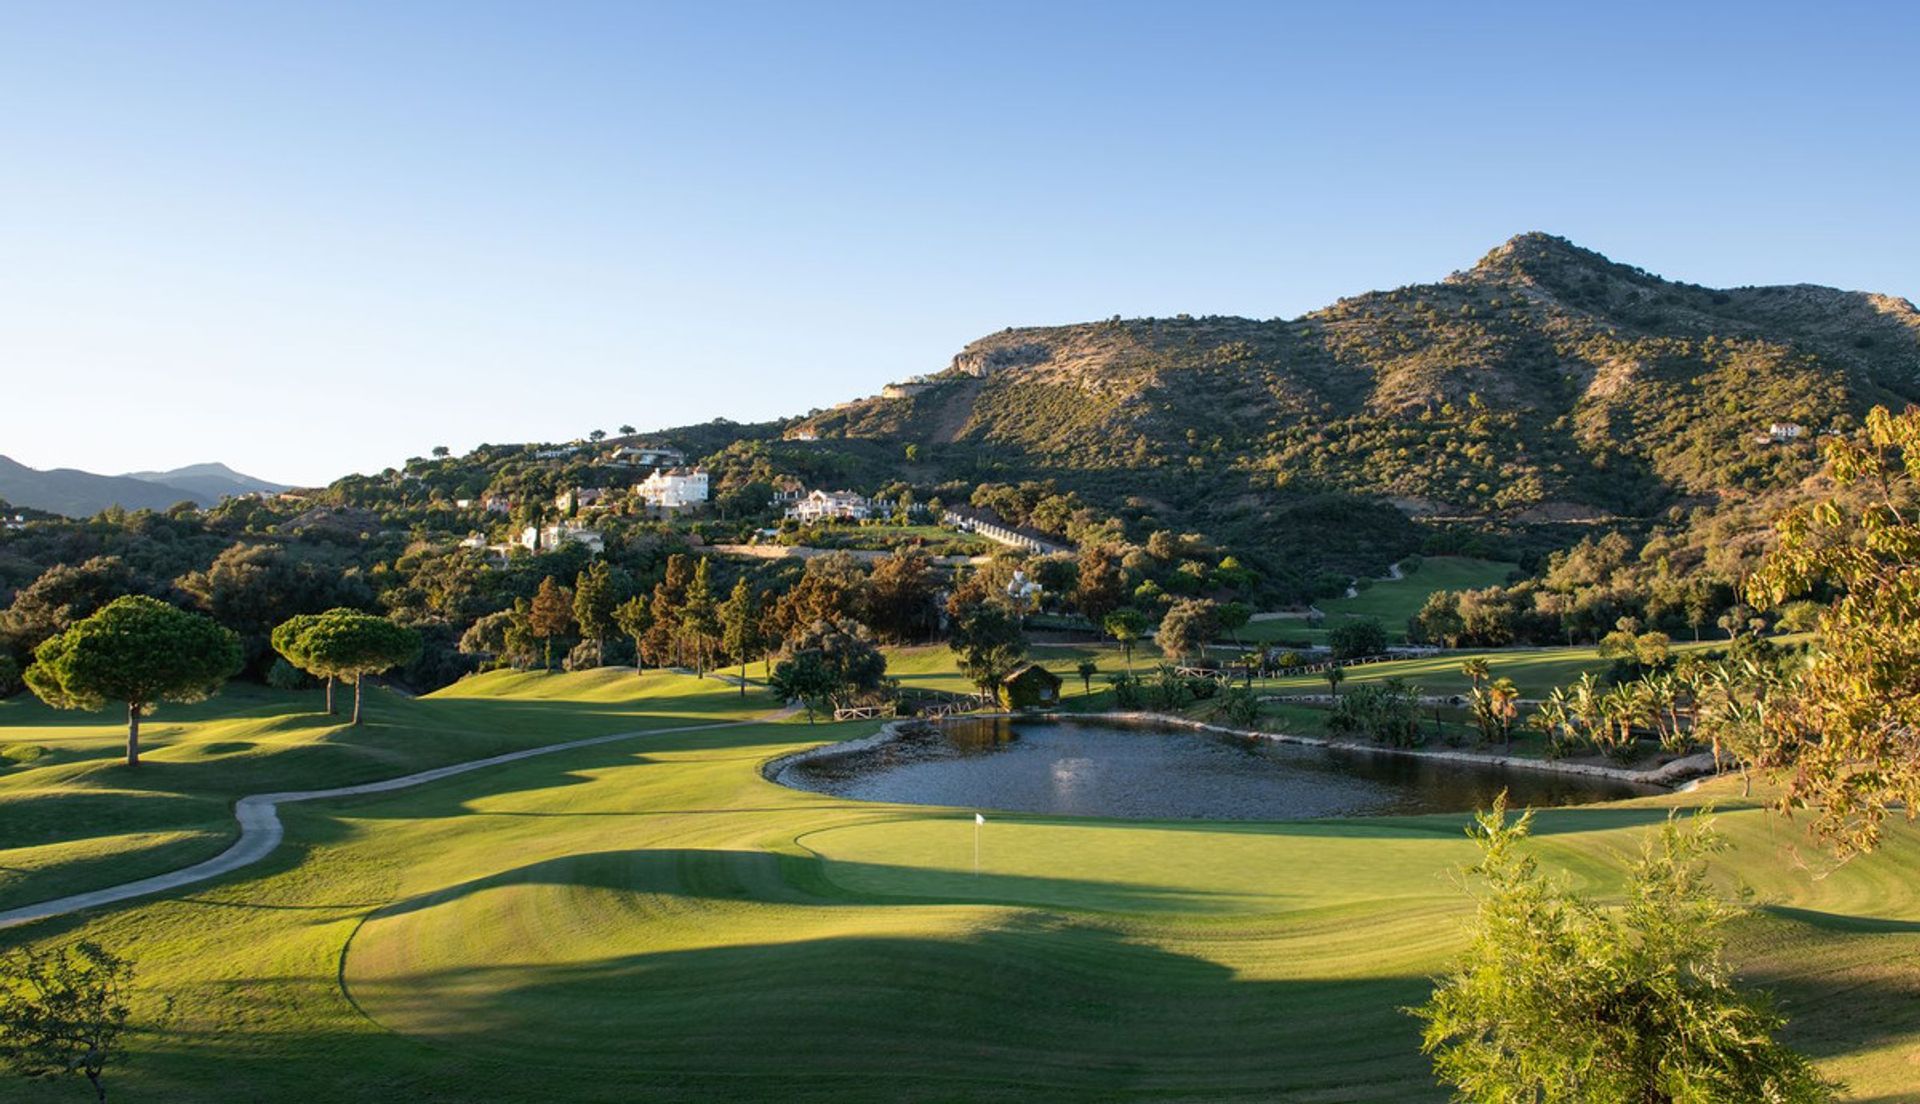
<point>831,505</point>
<point>549,538</point>
<point>673,488</point>
<point>1786,431</point>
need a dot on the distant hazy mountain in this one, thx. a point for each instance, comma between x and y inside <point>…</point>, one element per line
<point>78,493</point>
<point>208,482</point>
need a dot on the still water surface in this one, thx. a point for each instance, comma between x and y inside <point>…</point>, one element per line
<point>1094,769</point>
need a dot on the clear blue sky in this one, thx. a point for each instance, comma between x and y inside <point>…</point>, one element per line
<point>309,239</point>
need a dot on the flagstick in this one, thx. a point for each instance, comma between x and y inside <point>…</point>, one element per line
<point>976,847</point>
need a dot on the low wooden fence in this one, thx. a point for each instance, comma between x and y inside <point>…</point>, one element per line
<point>865,712</point>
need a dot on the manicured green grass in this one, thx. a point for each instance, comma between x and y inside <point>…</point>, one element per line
<point>1392,601</point>
<point>1535,670</point>
<point>76,817</point>
<point>653,920</point>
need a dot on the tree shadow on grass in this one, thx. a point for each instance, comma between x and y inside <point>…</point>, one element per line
<point>797,880</point>
<point>1036,1009</point>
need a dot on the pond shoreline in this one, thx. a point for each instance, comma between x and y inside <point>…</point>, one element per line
<point>1680,774</point>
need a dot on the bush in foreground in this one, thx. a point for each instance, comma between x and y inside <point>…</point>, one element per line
<point>1557,1000</point>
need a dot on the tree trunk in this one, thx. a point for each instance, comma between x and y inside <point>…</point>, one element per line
<point>743,676</point>
<point>329,695</point>
<point>99,1086</point>
<point>356,699</point>
<point>133,734</point>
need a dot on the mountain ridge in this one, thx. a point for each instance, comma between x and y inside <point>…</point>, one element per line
<point>72,492</point>
<point>1545,373</point>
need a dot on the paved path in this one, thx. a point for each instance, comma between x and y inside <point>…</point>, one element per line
<point>260,831</point>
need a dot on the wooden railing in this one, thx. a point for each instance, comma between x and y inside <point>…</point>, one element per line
<point>864,712</point>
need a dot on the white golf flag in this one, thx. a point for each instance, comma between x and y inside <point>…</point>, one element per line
<point>978,819</point>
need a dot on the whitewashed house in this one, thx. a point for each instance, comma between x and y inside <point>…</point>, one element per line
<point>1786,431</point>
<point>548,538</point>
<point>831,506</point>
<point>673,488</point>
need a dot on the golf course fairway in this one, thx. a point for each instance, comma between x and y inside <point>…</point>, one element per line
<point>651,919</point>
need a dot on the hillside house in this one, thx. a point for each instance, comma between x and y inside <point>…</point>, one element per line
<point>673,488</point>
<point>831,506</point>
<point>583,498</point>
<point>497,504</point>
<point>548,538</point>
<point>1781,432</point>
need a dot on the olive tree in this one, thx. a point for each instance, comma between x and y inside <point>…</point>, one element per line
<point>1844,731</point>
<point>136,651</point>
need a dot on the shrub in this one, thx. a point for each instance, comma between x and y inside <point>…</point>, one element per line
<point>1240,706</point>
<point>1127,692</point>
<point>1385,712</point>
<point>285,676</point>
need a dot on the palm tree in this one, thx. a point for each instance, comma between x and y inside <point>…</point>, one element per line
<point>1660,693</point>
<point>1503,698</point>
<point>1477,671</point>
<point>1553,719</point>
<point>1623,707</point>
<point>1588,710</point>
<point>1086,670</point>
<point>1335,673</point>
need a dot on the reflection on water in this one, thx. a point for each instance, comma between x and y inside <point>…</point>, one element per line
<point>1092,769</point>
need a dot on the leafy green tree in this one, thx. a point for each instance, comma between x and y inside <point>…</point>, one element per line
<point>829,662</point>
<point>349,644</point>
<point>1357,637</point>
<point>740,627</point>
<point>989,644</point>
<point>597,592</point>
<point>806,678</point>
<point>700,618</point>
<point>9,675</point>
<point>138,651</point>
<point>65,594</point>
<point>1842,732</point>
<point>634,618</point>
<point>1234,616</point>
<point>1125,625</point>
<point>898,601</point>
<point>1188,626</point>
<point>550,616</point>
<point>1099,586</point>
<point>289,639</point>
<point>1557,1001</point>
<point>63,1010</point>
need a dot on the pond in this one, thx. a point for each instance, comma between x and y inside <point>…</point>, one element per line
<point>1139,773</point>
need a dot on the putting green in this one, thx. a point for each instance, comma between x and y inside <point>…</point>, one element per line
<point>653,920</point>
